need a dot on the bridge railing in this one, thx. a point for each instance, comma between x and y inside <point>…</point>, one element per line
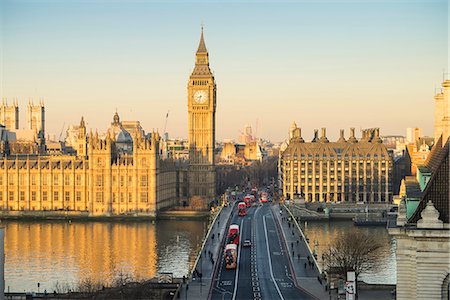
<point>205,239</point>
<point>222,243</point>
<point>304,238</point>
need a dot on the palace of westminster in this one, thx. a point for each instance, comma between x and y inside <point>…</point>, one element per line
<point>120,173</point>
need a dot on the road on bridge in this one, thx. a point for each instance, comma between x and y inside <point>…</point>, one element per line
<point>263,270</point>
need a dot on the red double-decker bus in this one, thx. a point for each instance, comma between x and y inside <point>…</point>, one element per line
<point>233,234</point>
<point>264,197</point>
<point>248,200</point>
<point>230,255</point>
<point>242,208</point>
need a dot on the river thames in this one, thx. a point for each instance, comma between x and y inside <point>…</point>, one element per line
<point>321,233</point>
<point>51,252</point>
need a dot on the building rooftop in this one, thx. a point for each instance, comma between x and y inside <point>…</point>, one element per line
<point>437,189</point>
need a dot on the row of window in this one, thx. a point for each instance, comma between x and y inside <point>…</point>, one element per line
<point>68,180</point>
<point>67,196</point>
<point>338,155</point>
<point>78,208</point>
<point>287,164</point>
<point>347,197</point>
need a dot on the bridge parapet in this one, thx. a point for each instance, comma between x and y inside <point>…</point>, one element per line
<point>304,238</point>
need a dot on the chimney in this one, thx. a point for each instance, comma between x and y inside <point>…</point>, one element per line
<point>298,135</point>
<point>316,133</point>
<point>341,137</point>
<point>323,138</point>
<point>352,138</point>
<point>377,138</point>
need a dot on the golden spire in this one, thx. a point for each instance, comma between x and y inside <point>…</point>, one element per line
<point>201,45</point>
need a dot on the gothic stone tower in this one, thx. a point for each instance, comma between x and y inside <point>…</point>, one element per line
<point>201,119</point>
<point>36,117</point>
<point>9,115</point>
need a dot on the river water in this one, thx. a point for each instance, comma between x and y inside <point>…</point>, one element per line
<point>51,252</point>
<point>321,234</point>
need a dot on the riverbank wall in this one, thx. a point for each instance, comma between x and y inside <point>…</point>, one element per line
<point>339,211</point>
<point>85,216</point>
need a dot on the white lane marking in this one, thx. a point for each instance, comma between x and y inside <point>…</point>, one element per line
<point>270,260</point>
<point>236,278</point>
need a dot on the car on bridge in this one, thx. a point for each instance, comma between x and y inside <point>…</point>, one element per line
<point>247,243</point>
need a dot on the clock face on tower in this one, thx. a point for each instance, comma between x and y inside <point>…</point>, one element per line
<point>200,96</point>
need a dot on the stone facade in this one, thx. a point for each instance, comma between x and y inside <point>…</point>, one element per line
<point>345,170</point>
<point>423,239</point>
<point>241,154</point>
<point>422,263</point>
<point>442,112</point>
<point>99,179</point>
<point>9,114</point>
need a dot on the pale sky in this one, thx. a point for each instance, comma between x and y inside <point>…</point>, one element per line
<point>334,64</point>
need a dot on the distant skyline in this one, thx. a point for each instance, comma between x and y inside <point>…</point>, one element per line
<point>334,64</point>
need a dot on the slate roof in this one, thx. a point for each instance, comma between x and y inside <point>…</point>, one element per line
<point>437,189</point>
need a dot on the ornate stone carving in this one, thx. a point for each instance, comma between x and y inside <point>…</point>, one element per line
<point>430,217</point>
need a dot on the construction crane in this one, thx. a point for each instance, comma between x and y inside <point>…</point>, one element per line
<point>62,130</point>
<point>165,123</point>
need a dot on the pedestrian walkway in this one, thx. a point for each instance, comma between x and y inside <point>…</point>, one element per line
<point>304,265</point>
<point>307,273</point>
<point>198,283</point>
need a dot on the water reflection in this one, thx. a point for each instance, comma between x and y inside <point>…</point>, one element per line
<point>321,234</point>
<point>57,251</point>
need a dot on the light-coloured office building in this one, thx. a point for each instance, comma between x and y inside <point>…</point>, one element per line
<point>346,170</point>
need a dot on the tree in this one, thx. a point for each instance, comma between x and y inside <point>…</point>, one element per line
<point>198,203</point>
<point>353,250</point>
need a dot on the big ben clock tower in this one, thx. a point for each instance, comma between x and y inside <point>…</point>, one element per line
<point>202,123</point>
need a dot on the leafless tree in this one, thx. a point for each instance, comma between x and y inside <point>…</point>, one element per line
<point>61,287</point>
<point>122,279</point>
<point>353,250</point>
<point>88,285</point>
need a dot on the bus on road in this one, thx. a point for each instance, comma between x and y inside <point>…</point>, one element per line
<point>230,255</point>
<point>248,200</point>
<point>264,197</point>
<point>233,234</point>
<point>242,208</point>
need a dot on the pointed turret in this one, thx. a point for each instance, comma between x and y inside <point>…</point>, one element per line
<point>82,129</point>
<point>82,124</point>
<point>201,59</point>
<point>201,45</point>
<point>116,119</point>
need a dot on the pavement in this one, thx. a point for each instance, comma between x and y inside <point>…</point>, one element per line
<point>307,277</point>
<point>196,288</point>
<point>306,274</point>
